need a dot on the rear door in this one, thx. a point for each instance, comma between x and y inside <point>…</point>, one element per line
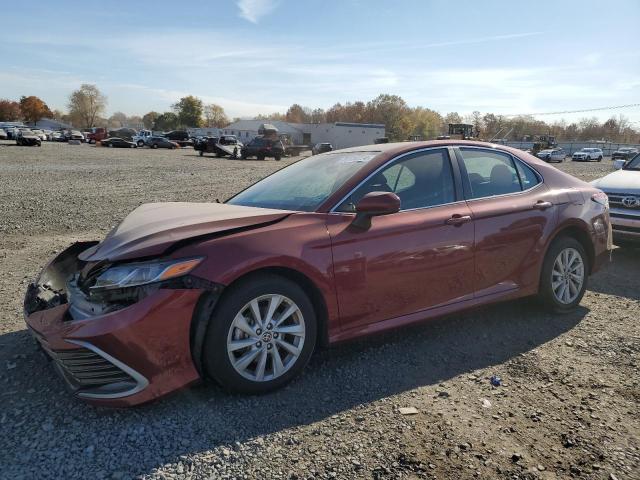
<point>413,260</point>
<point>513,213</point>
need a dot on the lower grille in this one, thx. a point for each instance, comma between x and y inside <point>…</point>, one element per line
<point>88,369</point>
<point>620,228</point>
<point>92,373</point>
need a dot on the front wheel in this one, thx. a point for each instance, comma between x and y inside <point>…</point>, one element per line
<point>564,275</point>
<point>277,157</point>
<point>201,153</point>
<point>140,143</point>
<point>155,145</point>
<point>261,336</point>
<point>600,158</point>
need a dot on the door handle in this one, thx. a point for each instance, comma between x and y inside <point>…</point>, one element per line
<point>542,205</point>
<point>457,219</point>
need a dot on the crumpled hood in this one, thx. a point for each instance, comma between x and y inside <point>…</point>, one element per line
<point>623,181</point>
<point>153,227</point>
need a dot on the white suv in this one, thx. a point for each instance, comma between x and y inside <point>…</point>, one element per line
<point>588,154</point>
<point>623,189</point>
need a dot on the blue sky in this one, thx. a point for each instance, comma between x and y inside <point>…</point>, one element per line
<point>260,56</point>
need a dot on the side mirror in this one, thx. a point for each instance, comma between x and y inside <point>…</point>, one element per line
<point>374,204</point>
<point>618,164</point>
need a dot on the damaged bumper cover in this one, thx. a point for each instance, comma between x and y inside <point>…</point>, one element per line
<point>130,351</point>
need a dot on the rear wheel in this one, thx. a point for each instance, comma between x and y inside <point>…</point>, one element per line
<point>261,335</point>
<point>201,153</point>
<point>155,145</point>
<point>564,275</point>
<point>278,157</point>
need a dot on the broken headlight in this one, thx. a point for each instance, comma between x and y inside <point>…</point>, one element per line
<point>142,273</point>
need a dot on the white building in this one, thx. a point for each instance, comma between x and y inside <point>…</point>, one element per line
<point>339,134</point>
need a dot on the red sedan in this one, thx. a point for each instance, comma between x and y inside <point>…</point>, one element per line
<point>333,247</point>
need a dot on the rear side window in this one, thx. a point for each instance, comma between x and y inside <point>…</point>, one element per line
<point>493,173</point>
<point>528,178</point>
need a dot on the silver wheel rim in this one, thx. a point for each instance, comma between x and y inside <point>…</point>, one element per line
<point>266,338</point>
<point>567,275</point>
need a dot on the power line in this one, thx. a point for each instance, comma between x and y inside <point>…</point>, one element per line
<point>598,109</point>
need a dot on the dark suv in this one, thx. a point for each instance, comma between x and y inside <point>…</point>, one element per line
<point>161,142</point>
<point>261,148</point>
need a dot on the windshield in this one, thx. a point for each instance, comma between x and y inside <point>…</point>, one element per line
<point>303,185</point>
<point>633,164</point>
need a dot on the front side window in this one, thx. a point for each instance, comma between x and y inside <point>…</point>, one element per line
<point>420,180</point>
<point>493,173</point>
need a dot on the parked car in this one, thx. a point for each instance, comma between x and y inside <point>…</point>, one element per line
<point>181,137</point>
<point>623,189</point>
<point>161,142</point>
<point>57,136</point>
<point>3,134</point>
<point>624,153</point>
<point>552,155</point>
<point>39,133</point>
<point>141,138</point>
<point>26,138</point>
<point>321,148</point>
<point>75,135</point>
<point>97,134</point>
<point>587,154</point>
<point>330,248</point>
<point>116,142</point>
<point>261,148</point>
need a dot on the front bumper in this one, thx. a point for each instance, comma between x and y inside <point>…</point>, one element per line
<point>122,358</point>
<point>625,228</point>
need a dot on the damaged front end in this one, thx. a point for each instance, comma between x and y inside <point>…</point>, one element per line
<point>50,288</point>
<point>117,332</point>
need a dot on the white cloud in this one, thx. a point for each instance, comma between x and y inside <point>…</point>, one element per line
<point>254,10</point>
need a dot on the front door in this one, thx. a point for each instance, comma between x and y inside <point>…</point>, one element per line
<point>418,258</point>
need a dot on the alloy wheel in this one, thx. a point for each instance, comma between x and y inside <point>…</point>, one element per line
<point>567,275</point>
<point>266,337</point>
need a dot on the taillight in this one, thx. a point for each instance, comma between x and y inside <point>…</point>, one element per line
<point>601,199</point>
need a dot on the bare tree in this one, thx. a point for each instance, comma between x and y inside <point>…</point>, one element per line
<point>214,116</point>
<point>86,104</point>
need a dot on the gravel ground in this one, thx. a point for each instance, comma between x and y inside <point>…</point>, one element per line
<point>567,408</point>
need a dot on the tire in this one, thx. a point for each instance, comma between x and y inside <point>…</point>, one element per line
<point>155,145</point>
<point>551,299</point>
<point>243,156</point>
<point>222,330</point>
<point>277,157</point>
<point>201,153</point>
<point>260,156</point>
<point>110,145</point>
<point>600,158</point>
<point>140,143</point>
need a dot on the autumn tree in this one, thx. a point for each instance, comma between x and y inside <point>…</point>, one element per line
<point>33,109</point>
<point>297,114</point>
<point>214,116</point>
<point>393,112</point>
<point>426,122</point>
<point>9,110</point>
<point>86,104</point>
<point>189,110</point>
<point>149,119</point>
<point>166,121</point>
